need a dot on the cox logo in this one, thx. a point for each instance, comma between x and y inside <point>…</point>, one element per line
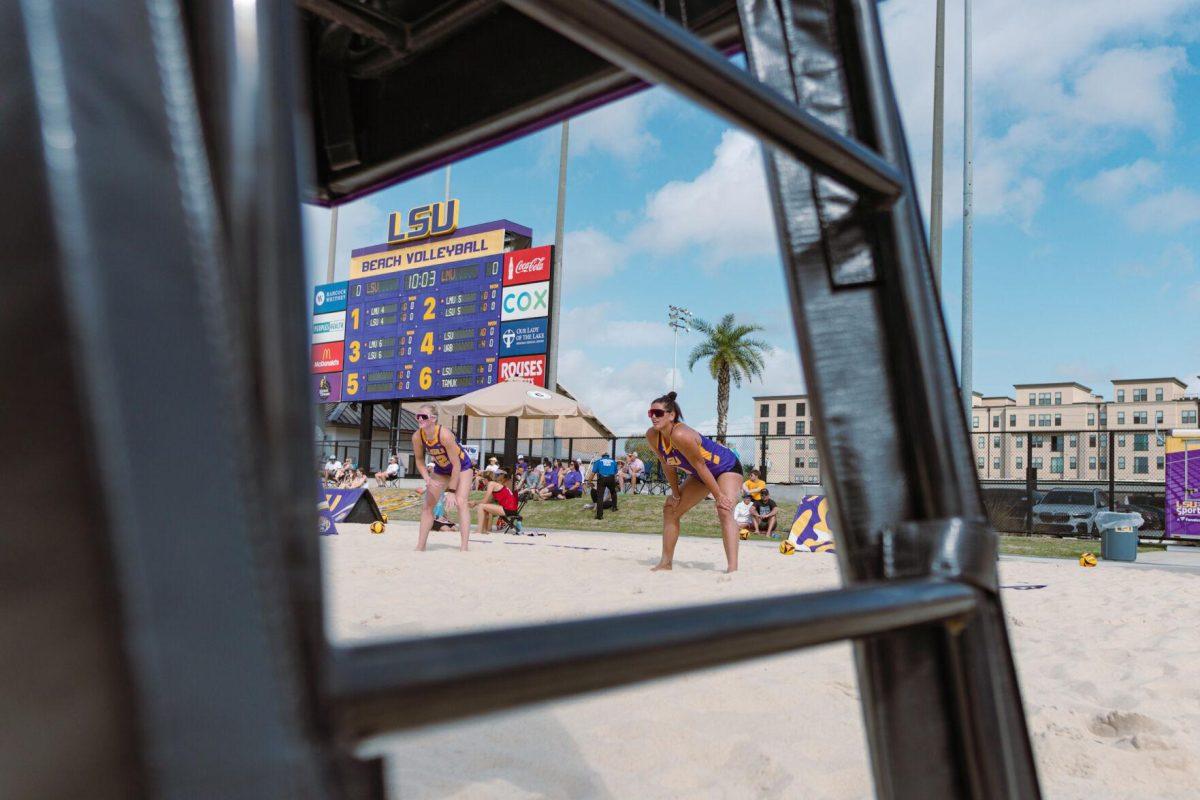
<point>522,302</point>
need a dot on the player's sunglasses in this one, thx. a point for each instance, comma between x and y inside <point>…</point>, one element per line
<point>423,416</point>
<point>655,413</point>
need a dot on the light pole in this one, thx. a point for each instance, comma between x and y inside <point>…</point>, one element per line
<point>679,319</point>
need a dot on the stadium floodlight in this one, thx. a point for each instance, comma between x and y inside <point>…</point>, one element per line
<point>679,319</point>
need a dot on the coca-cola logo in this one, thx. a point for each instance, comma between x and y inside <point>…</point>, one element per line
<point>516,267</point>
<point>528,266</point>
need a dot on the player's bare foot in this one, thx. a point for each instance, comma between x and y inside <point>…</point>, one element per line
<point>661,567</point>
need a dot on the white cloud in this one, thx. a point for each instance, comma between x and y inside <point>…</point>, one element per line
<point>724,210</point>
<point>1112,186</point>
<point>590,255</point>
<point>599,325</point>
<point>618,395</point>
<point>617,129</point>
<point>360,224</point>
<point>1054,83</point>
<point>1168,211</point>
<point>782,374</point>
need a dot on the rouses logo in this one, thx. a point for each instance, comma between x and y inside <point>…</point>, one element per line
<point>529,369</point>
<point>328,357</point>
<point>523,338</point>
<point>526,301</point>
<point>329,297</point>
<point>528,266</point>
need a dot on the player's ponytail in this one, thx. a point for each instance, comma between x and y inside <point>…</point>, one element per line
<point>667,401</point>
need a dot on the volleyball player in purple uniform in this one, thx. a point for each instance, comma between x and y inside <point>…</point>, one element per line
<point>451,468</point>
<point>711,467</point>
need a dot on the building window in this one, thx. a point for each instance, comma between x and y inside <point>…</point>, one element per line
<point>1091,419</point>
<point>1056,464</point>
<point>1043,398</point>
<point>996,442</point>
<point>801,409</point>
<point>1189,417</point>
<point>1020,441</point>
<point>995,422</point>
<point>1139,395</point>
<point>995,463</point>
<point>1103,417</point>
<point>1058,398</point>
<point>1036,463</point>
<point>981,442</point>
<point>780,409</point>
<point>800,428</point>
<point>1091,462</point>
<point>781,428</point>
<point>1121,462</point>
<point>1104,440</point>
<point>1037,441</point>
<point>1103,464</point>
<point>812,463</point>
<point>1158,417</point>
<point>1074,463</point>
<point>1092,440</point>
<point>1158,462</point>
<point>979,462</point>
<point>764,428</point>
<point>1033,420</point>
<point>1158,395</point>
<point>812,444</point>
<point>1056,444</point>
<point>1033,399</point>
<point>1120,441</point>
<point>1058,420</point>
<point>1141,465</point>
<point>1120,395</point>
<point>1139,418</point>
<point>1120,417</point>
<point>799,443</point>
<point>1020,463</point>
<point>1072,441</point>
<point>974,422</point>
<point>1043,420</point>
<point>799,463</point>
<point>764,410</point>
<point>1141,442</point>
<point>1012,420</point>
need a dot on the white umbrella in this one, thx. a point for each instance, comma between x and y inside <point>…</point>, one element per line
<point>515,399</point>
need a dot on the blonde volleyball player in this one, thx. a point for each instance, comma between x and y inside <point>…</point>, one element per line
<point>451,467</point>
<point>711,467</point>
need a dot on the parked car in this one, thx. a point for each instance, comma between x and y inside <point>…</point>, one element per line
<point>1006,507</point>
<point>1069,511</point>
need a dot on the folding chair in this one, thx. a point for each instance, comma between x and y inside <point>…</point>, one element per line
<point>512,521</point>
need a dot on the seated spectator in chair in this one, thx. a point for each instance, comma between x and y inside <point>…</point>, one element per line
<point>572,483</point>
<point>390,474</point>
<point>497,501</point>
<point>637,469</point>
<point>743,514</point>
<point>493,466</point>
<point>356,480</point>
<point>622,474</point>
<point>753,486</point>
<point>765,514</point>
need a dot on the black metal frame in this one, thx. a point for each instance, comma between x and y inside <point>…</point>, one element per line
<point>209,672</point>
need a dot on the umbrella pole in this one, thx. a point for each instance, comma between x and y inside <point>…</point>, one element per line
<point>510,449</point>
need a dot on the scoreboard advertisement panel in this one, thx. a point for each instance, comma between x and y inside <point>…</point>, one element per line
<point>438,318</point>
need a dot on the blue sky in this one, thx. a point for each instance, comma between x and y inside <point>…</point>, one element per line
<point>1087,209</point>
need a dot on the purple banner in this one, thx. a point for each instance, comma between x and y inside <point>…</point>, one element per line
<point>1183,488</point>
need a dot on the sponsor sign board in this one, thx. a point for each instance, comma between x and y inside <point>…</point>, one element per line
<point>328,357</point>
<point>525,301</point>
<point>528,266</point>
<point>523,337</point>
<point>329,297</point>
<point>529,369</point>
<point>1183,487</point>
<point>329,327</point>
<point>327,387</point>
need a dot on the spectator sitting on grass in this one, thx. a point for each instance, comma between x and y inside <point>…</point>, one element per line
<point>753,486</point>
<point>765,512</point>
<point>743,514</point>
<point>355,479</point>
<point>531,485</point>
<point>572,485</point>
<point>551,482</point>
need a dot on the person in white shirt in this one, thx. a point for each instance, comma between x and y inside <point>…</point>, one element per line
<point>331,468</point>
<point>391,473</point>
<point>493,466</point>
<point>636,468</point>
<point>742,513</point>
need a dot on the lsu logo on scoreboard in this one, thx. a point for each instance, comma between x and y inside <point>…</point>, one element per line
<point>422,222</point>
<point>527,369</point>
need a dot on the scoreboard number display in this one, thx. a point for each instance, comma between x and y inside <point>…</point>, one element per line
<point>429,320</point>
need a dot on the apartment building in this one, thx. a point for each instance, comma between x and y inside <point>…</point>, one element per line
<point>788,416</point>
<point>1062,428</point>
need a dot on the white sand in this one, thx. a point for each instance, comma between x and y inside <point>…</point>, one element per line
<point>1109,660</point>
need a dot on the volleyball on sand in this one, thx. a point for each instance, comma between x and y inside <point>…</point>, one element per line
<point>786,547</point>
<point>1087,560</point>
<point>377,527</point>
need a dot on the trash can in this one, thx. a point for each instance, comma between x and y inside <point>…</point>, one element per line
<point>1118,535</point>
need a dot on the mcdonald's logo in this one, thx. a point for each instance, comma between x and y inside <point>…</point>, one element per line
<point>328,357</point>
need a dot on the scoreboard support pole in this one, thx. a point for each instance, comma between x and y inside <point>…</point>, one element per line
<point>365,423</point>
<point>394,429</point>
<point>510,448</point>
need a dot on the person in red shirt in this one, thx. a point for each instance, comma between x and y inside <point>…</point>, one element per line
<point>498,501</point>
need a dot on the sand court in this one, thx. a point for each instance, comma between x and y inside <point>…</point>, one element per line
<point>1109,662</point>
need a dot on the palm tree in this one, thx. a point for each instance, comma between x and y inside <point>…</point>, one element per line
<point>731,357</point>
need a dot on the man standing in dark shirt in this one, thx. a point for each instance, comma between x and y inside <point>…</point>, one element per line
<point>604,472</point>
<point>765,513</point>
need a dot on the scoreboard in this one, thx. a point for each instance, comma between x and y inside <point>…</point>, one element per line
<point>433,320</point>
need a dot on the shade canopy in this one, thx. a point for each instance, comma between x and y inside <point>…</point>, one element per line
<point>514,399</point>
